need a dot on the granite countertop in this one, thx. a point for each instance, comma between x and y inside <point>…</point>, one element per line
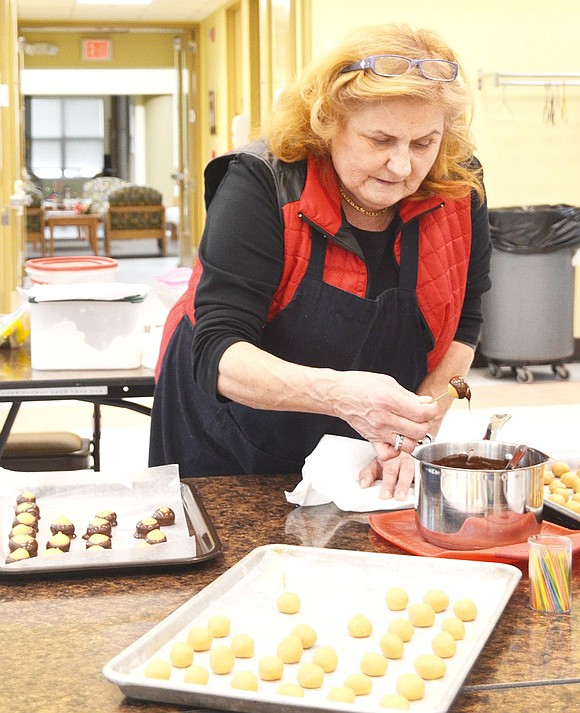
<point>58,633</point>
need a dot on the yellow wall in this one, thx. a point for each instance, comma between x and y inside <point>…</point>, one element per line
<point>127,50</point>
<point>526,160</point>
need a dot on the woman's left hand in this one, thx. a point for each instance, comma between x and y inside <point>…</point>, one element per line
<point>396,473</point>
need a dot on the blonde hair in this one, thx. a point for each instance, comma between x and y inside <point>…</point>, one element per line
<point>310,112</point>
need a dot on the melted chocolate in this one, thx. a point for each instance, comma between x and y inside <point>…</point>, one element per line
<point>471,462</point>
<point>459,388</point>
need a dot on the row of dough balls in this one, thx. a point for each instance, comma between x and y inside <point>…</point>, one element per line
<point>563,484</point>
<point>409,686</point>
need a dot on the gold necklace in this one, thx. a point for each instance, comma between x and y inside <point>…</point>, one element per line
<point>364,211</point>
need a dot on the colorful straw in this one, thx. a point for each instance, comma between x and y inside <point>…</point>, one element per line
<point>549,572</point>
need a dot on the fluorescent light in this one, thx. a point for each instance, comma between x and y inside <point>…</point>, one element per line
<point>114,2</point>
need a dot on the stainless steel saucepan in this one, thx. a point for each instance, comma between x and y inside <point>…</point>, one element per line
<point>465,498</point>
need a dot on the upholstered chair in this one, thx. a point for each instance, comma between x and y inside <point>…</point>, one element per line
<point>134,213</point>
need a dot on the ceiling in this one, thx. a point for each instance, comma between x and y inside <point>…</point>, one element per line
<point>159,11</point>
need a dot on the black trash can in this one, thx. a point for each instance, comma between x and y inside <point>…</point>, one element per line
<point>529,311</point>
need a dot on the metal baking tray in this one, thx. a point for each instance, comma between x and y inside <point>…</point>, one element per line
<point>556,513</point>
<point>193,538</point>
<point>333,585</point>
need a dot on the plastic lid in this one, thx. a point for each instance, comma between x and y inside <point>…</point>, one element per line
<point>72,263</point>
<point>176,277</point>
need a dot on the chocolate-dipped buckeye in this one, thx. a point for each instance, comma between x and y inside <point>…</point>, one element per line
<point>144,526</point>
<point>26,518</point>
<point>32,508</point>
<point>103,541</point>
<point>164,516</point>
<point>97,526</point>
<point>59,541</point>
<point>62,524</point>
<point>22,530</point>
<point>26,497</point>
<point>109,515</point>
<point>458,388</point>
<point>25,542</point>
<point>155,537</point>
<point>52,551</point>
<point>18,555</point>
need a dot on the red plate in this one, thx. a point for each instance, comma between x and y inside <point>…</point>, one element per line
<point>398,527</point>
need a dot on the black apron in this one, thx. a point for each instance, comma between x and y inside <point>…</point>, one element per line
<point>322,326</point>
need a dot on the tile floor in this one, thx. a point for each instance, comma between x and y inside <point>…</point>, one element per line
<point>544,414</point>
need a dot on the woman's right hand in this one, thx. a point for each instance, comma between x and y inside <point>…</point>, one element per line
<point>380,409</point>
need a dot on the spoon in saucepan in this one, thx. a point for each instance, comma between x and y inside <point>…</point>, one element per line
<point>519,452</point>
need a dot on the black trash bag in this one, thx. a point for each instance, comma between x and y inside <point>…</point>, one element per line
<point>535,229</point>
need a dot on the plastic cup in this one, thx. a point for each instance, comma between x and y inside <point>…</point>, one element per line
<point>550,572</point>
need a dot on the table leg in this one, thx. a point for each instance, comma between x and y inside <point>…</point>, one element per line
<point>51,244</point>
<point>92,230</point>
<point>8,423</point>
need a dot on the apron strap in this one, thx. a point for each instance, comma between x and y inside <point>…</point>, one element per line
<point>409,256</point>
<point>315,269</point>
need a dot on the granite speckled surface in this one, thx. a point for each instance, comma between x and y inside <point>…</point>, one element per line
<point>56,634</point>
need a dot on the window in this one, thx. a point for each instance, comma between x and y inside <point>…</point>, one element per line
<point>66,136</point>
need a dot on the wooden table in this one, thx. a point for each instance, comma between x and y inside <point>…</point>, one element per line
<point>87,224</point>
<point>57,634</point>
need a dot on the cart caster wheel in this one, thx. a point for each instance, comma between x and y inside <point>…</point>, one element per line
<point>494,371</point>
<point>561,371</point>
<point>524,376</point>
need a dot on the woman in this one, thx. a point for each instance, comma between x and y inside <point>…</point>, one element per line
<point>340,272</point>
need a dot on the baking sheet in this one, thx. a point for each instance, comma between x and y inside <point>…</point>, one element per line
<point>553,512</point>
<point>333,585</point>
<point>79,495</point>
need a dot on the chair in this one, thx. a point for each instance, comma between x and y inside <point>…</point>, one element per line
<point>97,189</point>
<point>35,220</point>
<point>135,213</point>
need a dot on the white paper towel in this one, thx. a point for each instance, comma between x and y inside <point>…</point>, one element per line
<point>330,474</point>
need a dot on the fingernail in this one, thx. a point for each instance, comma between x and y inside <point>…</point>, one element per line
<point>401,495</point>
<point>364,483</point>
<point>386,495</point>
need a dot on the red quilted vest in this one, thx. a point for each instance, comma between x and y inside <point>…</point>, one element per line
<point>444,249</point>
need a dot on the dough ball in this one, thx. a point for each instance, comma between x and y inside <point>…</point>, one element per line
<point>403,628</point>
<point>341,694</point>
<point>221,660</point>
<point>556,484</point>
<point>243,646</point>
<point>394,700</point>
<point>430,666</point>
<point>200,638</point>
<point>245,681</point>
<point>290,649</point>
<point>568,478</point>
<point>307,635</point>
<point>360,683</point>
<point>288,603</point>
<point>437,599</point>
<point>290,689</point>
<point>560,467</point>
<point>411,686</point>
<point>219,626</point>
<point>270,668</point>
<point>181,655</point>
<point>196,674</point>
<point>325,657</point>
<point>443,644</point>
<point>465,610</point>
<point>158,669</point>
<point>359,627</point>
<point>558,498</point>
<point>454,626</point>
<point>310,675</point>
<point>397,599</point>
<point>373,664</point>
<point>392,645</point>
<point>421,615</point>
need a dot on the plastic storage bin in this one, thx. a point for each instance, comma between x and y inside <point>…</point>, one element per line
<point>79,333</point>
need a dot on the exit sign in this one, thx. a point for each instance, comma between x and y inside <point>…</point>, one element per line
<point>97,50</point>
